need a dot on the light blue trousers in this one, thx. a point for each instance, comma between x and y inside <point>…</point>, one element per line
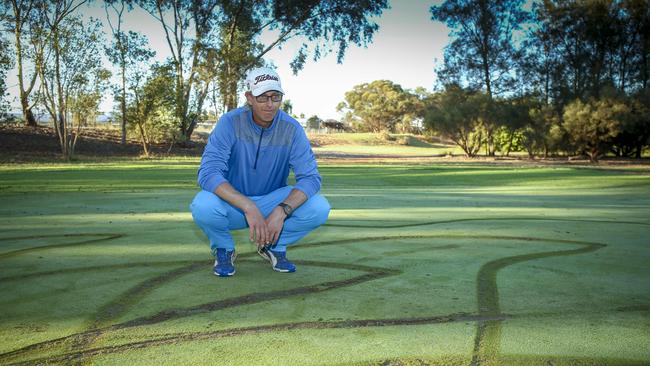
<point>217,217</point>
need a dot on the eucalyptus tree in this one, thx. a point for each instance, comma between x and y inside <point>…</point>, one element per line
<point>152,108</point>
<point>127,50</point>
<point>20,17</point>
<point>593,125</point>
<point>382,106</point>
<point>71,65</point>
<point>482,52</point>
<point>218,40</point>
<point>133,56</point>
<point>635,44</point>
<point>6,62</point>
<point>455,113</point>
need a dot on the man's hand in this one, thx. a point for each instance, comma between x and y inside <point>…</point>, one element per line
<point>257,226</point>
<point>274,224</point>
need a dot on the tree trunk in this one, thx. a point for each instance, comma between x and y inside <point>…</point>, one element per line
<point>512,137</point>
<point>143,139</point>
<point>30,120</point>
<point>28,116</point>
<point>593,154</point>
<point>123,102</point>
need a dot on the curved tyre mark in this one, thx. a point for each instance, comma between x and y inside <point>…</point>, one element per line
<point>426,223</point>
<point>488,333</point>
<point>104,237</point>
<point>489,317</point>
<point>196,336</point>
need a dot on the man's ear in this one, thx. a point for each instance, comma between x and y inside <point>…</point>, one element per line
<point>249,97</point>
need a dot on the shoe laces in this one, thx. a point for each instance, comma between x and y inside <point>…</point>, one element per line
<point>224,256</point>
<point>280,256</point>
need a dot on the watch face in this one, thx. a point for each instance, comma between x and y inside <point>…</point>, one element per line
<point>287,209</point>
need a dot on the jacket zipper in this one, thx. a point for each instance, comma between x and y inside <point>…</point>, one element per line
<point>258,150</point>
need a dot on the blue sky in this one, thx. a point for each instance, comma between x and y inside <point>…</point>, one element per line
<point>404,50</point>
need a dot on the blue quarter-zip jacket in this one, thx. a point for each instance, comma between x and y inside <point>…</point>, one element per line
<point>255,160</point>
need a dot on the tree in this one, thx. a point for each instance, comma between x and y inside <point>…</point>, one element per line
<point>382,105</point>
<point>5,64</point>
<point>287,106</point>
<point>129,51</point>
<point>481,54</point>
<point>635,129</point>
<point>84,99</point>
<point>226,56</point>
<point>23,21</point>
<point>314,122</point>
<point>73,64</point>
<point>126,51</point>
<point>513,116</point>
<point>593,125</point>
<point>589,46</point>
<point>236,48</point>
<point>187,53</point>
<point>536,132</point>
<point>152,110</point>
<point>455,114</point>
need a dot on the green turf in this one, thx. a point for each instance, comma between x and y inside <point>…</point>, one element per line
<point>417,265</point>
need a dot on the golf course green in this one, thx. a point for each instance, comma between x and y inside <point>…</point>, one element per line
<point>418,264</point>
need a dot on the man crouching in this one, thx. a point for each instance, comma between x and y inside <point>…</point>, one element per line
<point>243,177</point>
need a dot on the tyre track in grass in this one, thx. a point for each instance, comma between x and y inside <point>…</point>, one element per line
<point>116,308</point>
<point>104,237</point>
<point>488,320</point>
<point>439,222</point>
<point>488,332</point>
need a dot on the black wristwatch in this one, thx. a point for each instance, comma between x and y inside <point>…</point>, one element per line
<point>288,210</point>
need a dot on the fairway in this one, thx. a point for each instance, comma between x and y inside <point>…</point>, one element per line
<point>442,264</point>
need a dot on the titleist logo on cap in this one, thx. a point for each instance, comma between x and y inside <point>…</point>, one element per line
<point>265,77</point>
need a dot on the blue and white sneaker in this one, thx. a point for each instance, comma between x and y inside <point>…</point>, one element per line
<point>223,263</point>
<point>278,260</point>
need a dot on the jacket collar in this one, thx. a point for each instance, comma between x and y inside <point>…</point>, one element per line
<point>256,127</point>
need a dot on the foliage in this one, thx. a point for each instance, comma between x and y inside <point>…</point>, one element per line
<point>559,52</point>
<point>127,51</point>
<point>21,18</point>
<point>314,122</point>
<point>287,107</point>
<point>576,48</point>
<point>382,105</point>
<point>151,112</point>
<point>84,100</point>
<point>593,125</point>
<point>456,114</point>
<point>72,69</point>
<point>635,128</point>
<point>218,41</point>
<point>481,54</point>
<point>507,140</point>
<point>537,133</point>
<point>6,62</point>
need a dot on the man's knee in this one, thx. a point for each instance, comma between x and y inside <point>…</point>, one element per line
<point>207,208</point>
<point>319,209</point>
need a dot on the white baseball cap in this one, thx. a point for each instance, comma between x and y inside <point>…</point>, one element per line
<point>263,79</point>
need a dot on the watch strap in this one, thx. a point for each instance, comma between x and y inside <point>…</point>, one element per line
<point>288,210</point>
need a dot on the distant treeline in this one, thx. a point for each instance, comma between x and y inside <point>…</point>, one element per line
<point>567,77</point>
<point>563,77</point>
<point>58,55</point>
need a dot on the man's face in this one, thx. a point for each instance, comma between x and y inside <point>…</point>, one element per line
<point>264,106</point>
